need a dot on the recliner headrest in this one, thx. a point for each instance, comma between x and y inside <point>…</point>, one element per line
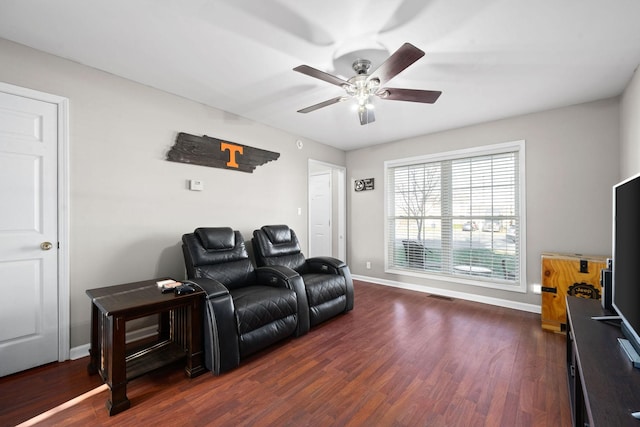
<point>276,240</point>
<point>217,253</point>
<point>278,233</point>
<point>216,238</point>
<point>208,246</point>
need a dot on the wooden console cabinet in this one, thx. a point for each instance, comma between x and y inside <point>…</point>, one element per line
<point>604,387</point>
<point>563,275</point>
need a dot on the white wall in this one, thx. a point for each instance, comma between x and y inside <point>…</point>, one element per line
<point>572,159</point>
<point>129,207</point>
<point>630,128</point>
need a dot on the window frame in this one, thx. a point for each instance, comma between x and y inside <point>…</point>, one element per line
<point>518,285</point>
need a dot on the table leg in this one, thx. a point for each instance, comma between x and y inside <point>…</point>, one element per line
<point>195,356</point>
<point>117,365</point>
<point>94,351</point>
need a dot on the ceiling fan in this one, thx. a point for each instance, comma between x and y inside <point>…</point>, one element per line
<point>364,86</point>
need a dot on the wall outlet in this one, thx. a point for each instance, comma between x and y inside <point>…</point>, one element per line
<point>368,265</point>
<point>536,288</point>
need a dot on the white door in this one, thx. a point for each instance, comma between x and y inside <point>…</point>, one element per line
<point>28,233</point>
<point>320,214</point>
<point>340,188</point>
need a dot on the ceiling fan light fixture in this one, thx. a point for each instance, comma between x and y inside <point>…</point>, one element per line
<point>360,89</point>
<point>366,104</point>
<point>351,90</point>
<point>363,87</point>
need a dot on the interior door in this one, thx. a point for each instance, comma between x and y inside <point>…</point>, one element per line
<point>320,214</point>
<point>28,233</point>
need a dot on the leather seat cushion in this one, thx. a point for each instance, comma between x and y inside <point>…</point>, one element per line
<point>320,313</point>
<point>256,306</point>
<point>267,335</point>
<point>322,288</point>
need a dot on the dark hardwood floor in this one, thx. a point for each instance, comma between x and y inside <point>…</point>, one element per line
<point>400,358</point>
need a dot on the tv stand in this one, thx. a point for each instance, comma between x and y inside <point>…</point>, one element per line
<point>604,388</point>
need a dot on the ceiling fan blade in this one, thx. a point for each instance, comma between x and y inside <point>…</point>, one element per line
<point>413,95</point>
<point>406,55</point>
<point>314,72</point>
<point>366,116</point>
<point>322,104</point>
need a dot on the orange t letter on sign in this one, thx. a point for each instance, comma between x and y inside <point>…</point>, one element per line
<point>233,149</point>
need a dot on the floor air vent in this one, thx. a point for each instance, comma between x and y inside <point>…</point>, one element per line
<point>441,297</point>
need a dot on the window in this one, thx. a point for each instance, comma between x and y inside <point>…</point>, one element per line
<point>458,216</point>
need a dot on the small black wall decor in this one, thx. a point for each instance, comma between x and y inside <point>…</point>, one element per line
<point>207,151</point>
<point>363,184</point>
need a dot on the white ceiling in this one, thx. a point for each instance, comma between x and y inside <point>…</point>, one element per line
<point>490,58</point>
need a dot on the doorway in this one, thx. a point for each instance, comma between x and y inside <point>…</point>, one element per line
<point>34,310</point>
<point>327,210</point>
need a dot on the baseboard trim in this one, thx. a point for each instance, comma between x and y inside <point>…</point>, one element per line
<point>531,308</point>
<point>83,350</point>
<point>79,352</point>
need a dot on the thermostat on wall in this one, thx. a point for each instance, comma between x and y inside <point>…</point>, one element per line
<point>196,185</point>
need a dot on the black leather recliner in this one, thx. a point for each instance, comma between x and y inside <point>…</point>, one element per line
<point>327,280</point>
<point>247,309</point>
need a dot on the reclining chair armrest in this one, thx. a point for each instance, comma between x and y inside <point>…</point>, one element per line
<point>281,276</point>
<point>275,275</point>
<point>331,265</point>
<point>346,272</point>
<point>325,264</point>
<point>222,352</point>
<point>212,287</point>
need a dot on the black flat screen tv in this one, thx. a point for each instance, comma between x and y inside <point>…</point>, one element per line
<point>626,257</point>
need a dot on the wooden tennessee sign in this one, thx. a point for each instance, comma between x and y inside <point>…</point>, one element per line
<point>213,152</point>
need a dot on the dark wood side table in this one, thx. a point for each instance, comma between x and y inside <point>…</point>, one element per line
<point>179,335</point>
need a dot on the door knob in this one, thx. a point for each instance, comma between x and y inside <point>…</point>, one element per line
<point>45,246</point>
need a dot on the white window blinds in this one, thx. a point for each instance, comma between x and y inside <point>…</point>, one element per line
<point>457,215</point>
